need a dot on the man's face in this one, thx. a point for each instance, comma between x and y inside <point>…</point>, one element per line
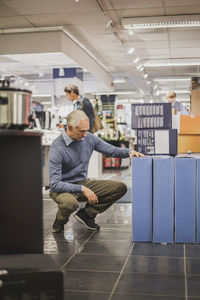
<point>80,131</point>
<point>171,99</point>
<point>70,96</point>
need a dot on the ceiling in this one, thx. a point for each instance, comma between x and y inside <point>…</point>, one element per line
<point>37,36</point>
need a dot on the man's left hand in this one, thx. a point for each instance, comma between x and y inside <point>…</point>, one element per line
<point>137,154</point>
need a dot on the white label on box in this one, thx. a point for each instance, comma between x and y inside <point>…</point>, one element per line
<point>161,142</point>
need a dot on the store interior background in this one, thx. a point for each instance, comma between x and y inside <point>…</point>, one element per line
<point>128,65</point>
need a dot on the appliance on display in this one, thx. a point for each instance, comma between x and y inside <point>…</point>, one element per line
<point>15,106</point>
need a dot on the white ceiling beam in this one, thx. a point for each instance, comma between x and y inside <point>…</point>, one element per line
<point>57,40</point>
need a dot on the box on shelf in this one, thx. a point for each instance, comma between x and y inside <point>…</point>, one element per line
<point>153,141</point>
<point>188,142</point>
<point>151,116</point>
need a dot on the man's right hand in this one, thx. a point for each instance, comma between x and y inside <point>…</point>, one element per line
<point>90,195</point>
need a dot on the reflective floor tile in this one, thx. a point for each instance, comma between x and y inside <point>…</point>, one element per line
<point>144,297</point>
<point>193,285</point>
<point>107,247</point>
<point>159,284</point>
<point>96,262</point>
<point>192,251</point>
<point>89,281</point>
<point>61,258</point>
<point>147,264</point>
<point>149,249</point>
<point>85,296</point>
<point>193,266</point>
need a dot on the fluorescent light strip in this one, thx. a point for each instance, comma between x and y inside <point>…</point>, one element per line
<point>176,91</point>
<point>172,79</point>
<point>161,22</point>
<point>170,64</point>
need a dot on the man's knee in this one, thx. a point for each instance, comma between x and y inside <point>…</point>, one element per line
<point>122,187</point>
<point>67,202</point>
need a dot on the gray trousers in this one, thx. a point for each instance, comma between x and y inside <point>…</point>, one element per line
<point>107,191</point>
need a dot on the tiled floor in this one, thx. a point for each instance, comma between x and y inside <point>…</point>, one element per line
<point>108,265</point>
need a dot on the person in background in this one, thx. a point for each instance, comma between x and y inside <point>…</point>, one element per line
<point>69,156</point>
<point>177,107</point>
<point>80,102</point>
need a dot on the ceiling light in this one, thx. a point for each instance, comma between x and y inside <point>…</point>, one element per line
<point>146,75</point>
<point>176,91</point>
<point>161,22</point>
<point>131,32</point>
<point>148,82</point>
<point>139,67</point>
<point>131,50</point>
<point>136,60</point>
<point>172,64</point>
<point>119,80</point>
<point>173,79</point>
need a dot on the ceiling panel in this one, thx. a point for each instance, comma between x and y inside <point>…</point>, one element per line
<point>50,19</point>
<point>119,4</point>
<point>24,7</point>
<point>14,22</point>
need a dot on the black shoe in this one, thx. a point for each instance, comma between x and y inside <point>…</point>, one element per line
<point>57,227</point>
<point>86,220</point>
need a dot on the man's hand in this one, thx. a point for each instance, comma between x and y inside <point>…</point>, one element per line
<point>137,154</point>
<point>90,195</point>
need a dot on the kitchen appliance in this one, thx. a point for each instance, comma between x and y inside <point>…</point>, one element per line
<point>15,106</point>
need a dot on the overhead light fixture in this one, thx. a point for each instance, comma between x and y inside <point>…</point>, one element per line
<point>161,22</point>
<point>172,64</point>
<point>172,79</point>
<point>136,60</point>
<point>139,67</point>
<point>131,50</point>
<point>131,32</point>
<point>119,80</point>
<point>176,91</point>
<point>146,75</point>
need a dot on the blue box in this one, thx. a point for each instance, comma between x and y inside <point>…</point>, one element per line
<point>163,199</point>
<point>198,200</point>
<point>185,184</point>
<point>151,115</point>
<point>142,199</point>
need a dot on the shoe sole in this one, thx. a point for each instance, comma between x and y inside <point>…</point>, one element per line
<point>80,220</point>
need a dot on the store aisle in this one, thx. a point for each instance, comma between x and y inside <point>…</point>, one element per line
<point>108,265</point>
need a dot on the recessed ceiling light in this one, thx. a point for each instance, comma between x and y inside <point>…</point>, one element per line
<point>131,50</point>
<point>136,60</point>
<point>119,80</point>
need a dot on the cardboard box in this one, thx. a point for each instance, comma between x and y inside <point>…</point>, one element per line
<point>188,142</point>
<point>142,199</point>
<point>151,116</point>
<point>154,141</point>
<point>189,124</point>
<point>163,199</point>
<point>185,184</point>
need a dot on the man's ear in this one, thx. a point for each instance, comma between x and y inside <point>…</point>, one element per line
<point>70,127</point>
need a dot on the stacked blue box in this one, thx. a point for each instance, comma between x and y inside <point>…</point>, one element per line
<point>198,200</point>
<point>142,199</point>
<point>163,199</point>
<point>185,179</point>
